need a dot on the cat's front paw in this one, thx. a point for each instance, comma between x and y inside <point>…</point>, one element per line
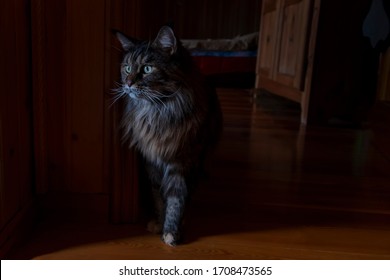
<point>170,239</point>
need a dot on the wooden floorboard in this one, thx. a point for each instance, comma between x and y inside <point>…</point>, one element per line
<point>275,190</point>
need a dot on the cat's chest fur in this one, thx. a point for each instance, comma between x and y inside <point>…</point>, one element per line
<point>160,132</point>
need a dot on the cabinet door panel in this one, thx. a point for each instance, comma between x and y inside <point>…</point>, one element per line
<point>268,36</point>
<point>293,40</point>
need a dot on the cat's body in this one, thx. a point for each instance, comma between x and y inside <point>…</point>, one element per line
<point>173,119</point>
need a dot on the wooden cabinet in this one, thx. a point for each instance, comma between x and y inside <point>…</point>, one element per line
<point>293,40</point>
<point>286,30</point>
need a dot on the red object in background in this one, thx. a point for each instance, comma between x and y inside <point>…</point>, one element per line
<point>218,65</point>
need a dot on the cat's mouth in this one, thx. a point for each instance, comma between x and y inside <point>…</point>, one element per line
<point>131,91</point>
<point>132,95</point>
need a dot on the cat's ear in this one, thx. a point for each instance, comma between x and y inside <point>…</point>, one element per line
<point>126,42</point>
<point>166,40</point>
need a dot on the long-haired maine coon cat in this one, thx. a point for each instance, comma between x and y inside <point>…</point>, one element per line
<point>172,118</point>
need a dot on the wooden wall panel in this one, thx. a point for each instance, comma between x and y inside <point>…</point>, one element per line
<point>54,30</point>
<point>194,19</point>
<point>15,108</point>
<point>48,25</point>
<point>215,19</point>
<point>16,174</point>
<point>70,115</point>
<point>78,149</point>
<point>85,94</point>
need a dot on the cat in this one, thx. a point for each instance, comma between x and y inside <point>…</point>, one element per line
<point>172,117</point>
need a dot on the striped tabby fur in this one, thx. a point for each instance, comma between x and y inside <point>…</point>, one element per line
<point>172,118</point>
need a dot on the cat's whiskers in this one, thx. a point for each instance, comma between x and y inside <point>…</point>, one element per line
<point>118,94</point>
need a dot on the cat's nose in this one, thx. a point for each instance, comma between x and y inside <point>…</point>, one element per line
<point>129,82</point>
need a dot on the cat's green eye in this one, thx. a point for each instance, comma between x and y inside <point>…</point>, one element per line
<point>147,69</point>
<point>128,69</point>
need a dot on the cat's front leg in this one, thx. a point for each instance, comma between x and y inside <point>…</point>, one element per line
<point>173,216</point>
<point>175,193</point>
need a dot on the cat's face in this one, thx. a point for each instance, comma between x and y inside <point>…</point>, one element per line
<point>147,71</point>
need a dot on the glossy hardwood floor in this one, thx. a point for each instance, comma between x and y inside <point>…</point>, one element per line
<point>276,190</point>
